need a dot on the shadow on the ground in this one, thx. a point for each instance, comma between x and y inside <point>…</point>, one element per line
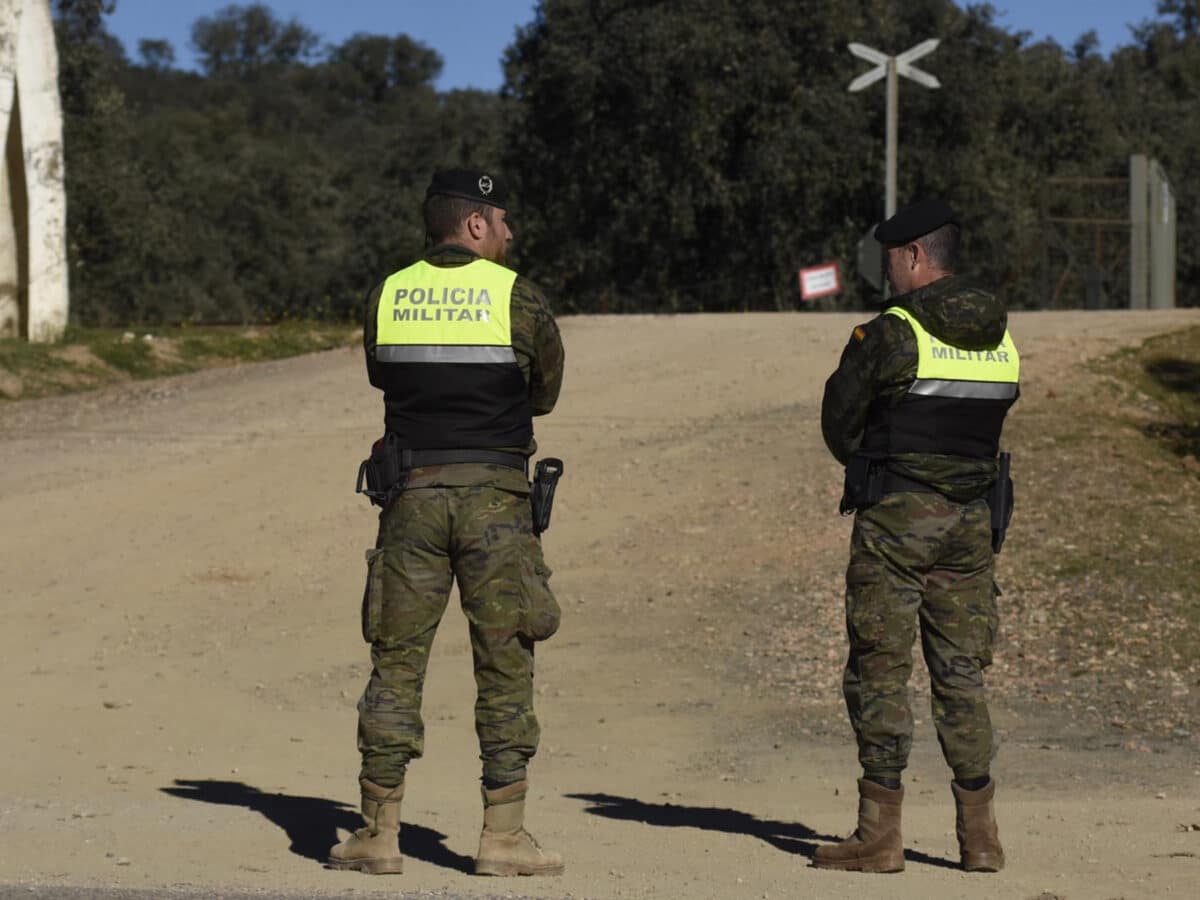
<point>1181,377</point>
<point>1182,440</point>
<point>312,823</point>
<point>790,837</point>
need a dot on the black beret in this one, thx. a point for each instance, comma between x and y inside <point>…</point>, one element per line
<point>914,221</point>
<point>470,184</point>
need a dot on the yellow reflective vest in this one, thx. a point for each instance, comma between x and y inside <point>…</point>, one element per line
<point>444,343</point>
<point>944,370</point>
<point>425,310</point>
<point>957,403</point>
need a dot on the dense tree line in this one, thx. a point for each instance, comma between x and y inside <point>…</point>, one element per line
<point>277,182</point>
<point>711,148</point>
<point>667,155</point>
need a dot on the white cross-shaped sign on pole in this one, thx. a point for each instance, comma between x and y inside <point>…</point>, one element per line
<point>891,67</point>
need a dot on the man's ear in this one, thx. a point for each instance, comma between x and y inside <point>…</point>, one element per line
<point>476,226</point>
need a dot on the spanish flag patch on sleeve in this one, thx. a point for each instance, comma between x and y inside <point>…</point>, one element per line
<point>860,334</point>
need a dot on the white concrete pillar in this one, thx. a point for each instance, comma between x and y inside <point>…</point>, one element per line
<point>34,298</point>
<point>11,280</point>
<point>1162,219</point>
<point>1139,233</point>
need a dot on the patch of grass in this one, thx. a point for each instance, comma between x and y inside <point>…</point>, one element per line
<point>22,356</point>
<point>1167,370</point>
<point>34,370</point>
<point>1100,569</point>
<point>258,343</point>
<point>89,358</point>
<point>133,357</point>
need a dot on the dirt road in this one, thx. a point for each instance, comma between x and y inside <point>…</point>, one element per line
<point>181,569</point>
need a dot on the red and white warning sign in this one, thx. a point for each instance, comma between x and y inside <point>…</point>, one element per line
<point>819,281</point>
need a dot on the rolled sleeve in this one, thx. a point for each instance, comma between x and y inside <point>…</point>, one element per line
<point>538,345</point>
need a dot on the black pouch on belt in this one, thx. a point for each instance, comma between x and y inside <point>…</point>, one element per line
<point>864,483</point>
<point>381,473</point>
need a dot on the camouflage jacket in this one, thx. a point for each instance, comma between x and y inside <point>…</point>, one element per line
<point>879,364</point>
<point>540,356</point>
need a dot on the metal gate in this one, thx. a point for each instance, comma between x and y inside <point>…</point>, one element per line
<point>1109,243</point>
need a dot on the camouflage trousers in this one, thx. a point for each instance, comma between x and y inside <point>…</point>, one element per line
<point>482,537</point>
<point>920,558</point>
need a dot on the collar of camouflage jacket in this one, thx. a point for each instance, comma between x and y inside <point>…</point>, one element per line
<point>957,313</point>
<point>450,255</point>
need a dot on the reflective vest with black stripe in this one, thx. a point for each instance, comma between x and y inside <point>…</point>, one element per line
<point>956,405</point>
<point>444,344</point>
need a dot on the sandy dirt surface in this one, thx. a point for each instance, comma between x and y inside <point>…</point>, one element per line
<point>180,656</point>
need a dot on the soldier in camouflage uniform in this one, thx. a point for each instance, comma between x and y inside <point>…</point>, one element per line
<point>466,352</point>
<point>918,402</point>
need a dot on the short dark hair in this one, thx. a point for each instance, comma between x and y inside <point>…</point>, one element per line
<point>444,214</point>
<point>941,246</point>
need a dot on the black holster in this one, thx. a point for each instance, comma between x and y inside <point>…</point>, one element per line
<point>381,475</point>
<point>1000,499</point>
<point>541,492</point>
<point>863,487</point>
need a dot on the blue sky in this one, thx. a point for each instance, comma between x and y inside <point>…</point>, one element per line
<point>471,34</point>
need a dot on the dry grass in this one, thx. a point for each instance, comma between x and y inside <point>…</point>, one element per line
<point>1101,611</point>
<point>92,358</point>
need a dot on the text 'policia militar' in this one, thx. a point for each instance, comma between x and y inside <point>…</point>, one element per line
<point>447,297</point>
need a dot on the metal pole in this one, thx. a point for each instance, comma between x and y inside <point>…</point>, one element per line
<point>1139,233</point>
<point>893,122</point>
<point>891,68</point>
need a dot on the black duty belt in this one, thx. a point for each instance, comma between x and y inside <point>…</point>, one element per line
<point>411,459</point>
<point>894,483</point>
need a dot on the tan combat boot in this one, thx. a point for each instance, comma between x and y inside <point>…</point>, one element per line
<point>978,838</point>
<point>876,845</point>
<point>374,848</point>
<point>505,847</point>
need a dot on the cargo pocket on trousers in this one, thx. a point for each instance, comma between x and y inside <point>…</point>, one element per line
<point>992,630</point>
<point>867,607</point>
<point>372,602</point>
<point>540,613</point>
